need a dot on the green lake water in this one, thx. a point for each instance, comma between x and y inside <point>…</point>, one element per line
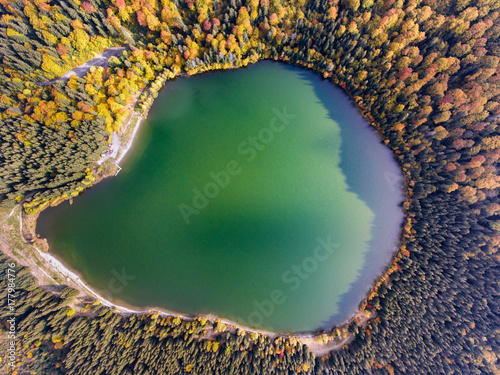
<point>259,195</point>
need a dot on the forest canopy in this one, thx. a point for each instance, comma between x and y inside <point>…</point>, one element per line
<point>426,75</point>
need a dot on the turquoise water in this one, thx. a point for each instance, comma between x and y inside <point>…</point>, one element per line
<point>258,195</point>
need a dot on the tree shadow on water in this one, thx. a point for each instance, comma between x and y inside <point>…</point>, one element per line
<point>373,174</point>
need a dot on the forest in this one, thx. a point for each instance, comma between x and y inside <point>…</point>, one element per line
<point>425,73</point>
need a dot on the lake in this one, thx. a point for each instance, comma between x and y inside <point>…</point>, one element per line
<point>259,195</point>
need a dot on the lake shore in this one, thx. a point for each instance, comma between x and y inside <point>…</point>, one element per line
<point>50,264</point>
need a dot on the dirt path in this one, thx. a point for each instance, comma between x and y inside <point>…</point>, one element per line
<point>100,60</point>
<point>11,244</point>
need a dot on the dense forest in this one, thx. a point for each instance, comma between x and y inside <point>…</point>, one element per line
<point>425,73</point>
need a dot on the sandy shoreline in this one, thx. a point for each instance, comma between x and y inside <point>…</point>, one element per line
<point>123,151</point>
<point>48,270</point>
